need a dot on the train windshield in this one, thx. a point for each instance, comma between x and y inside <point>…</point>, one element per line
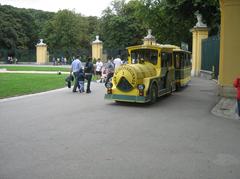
<point>144,55</point>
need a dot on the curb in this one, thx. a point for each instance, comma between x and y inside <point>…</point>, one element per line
<point>35,94</point>
<point>225,108</point>
<point>30,95</point>
<point>35,72</point>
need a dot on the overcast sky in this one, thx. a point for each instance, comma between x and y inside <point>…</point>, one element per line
<point>85,7</point>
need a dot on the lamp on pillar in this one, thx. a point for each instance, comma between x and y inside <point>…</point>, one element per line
<point>42,53</point>
<point>149,39</point>
<point>199,32</point>
<point>97,48</point>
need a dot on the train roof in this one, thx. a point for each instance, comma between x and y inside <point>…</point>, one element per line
<point>151,46</point>
<point>181,50</point>
<point>157,46</point>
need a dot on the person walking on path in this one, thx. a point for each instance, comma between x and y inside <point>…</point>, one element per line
<point>99,66</point>
<point>236,84</point>
<point>88,69</point>
<point>117,62</point>
<point>75,68</point>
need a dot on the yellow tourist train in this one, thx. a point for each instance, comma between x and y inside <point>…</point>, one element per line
<point>153,70</point>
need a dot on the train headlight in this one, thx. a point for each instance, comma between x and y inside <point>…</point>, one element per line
<point>109,85</point>
<point>141,87</point>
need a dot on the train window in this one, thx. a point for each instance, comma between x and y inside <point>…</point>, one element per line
<point>163,59</point>
<point>153,57</point>
<point>186,59</point>
<point>170,59</point>
<point>177,61</point>
<point>182,60</point>
<point>166,59</point>
<point>144,55</point>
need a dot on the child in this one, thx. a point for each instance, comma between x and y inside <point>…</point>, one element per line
<point>81,77</point>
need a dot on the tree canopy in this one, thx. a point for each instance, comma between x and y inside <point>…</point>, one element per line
<point>122,24</point>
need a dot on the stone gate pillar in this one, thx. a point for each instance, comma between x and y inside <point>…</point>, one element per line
<point>42,53</point>
<point>97,48</point>
<point>229,65</point>
<point>199,32</point>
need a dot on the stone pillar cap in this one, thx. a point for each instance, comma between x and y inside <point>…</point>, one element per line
<point>199,29</point>
<point>97,40</point>
<point>149,36</point>
<point>41,43</point>
<point>199,20</point>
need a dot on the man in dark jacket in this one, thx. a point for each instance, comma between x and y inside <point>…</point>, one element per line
<point>89,70</point>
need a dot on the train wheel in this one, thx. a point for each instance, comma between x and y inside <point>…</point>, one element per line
<point>153,94</point>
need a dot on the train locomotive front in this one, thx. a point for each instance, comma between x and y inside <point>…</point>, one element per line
<point>130,83</point>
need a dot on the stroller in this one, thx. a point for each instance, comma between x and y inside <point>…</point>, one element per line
<point>104,75</point>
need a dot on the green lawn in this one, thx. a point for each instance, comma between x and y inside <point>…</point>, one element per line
<point>20,84</point>
<point>35,68</point>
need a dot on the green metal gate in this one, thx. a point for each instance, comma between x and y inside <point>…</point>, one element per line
<point>210,54</point>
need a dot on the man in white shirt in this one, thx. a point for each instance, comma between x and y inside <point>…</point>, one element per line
<point>99,66</point>
<point>75,68</point>
<point>117,62</point>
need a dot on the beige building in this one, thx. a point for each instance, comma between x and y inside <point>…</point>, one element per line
<point>42,53</point>
<point>229,67</point>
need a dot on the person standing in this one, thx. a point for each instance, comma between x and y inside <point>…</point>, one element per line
<point>236,84</point>
<point>54,61</point>
<point>117,62</point>
<point>75,68</point>
<point>99,66</point>
<point>110,70</point>
<point>88,69</point>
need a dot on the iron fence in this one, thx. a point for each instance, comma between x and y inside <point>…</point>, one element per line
<point>210,55</point>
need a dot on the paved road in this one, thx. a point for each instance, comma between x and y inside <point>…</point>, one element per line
<point>64,135</point>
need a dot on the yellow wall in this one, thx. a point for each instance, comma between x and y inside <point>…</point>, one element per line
<point>42,54</point>
<point>229,67</point>
<point>198,34</point>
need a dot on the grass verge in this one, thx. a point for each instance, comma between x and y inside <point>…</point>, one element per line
<point>20,84</point>
<point>35,68</point>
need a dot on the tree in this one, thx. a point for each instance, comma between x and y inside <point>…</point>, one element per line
<point>67,32</point>
<point>124,24</point>
<point>120,27</point>
<point>172,19</point>
<point>19,28</point>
